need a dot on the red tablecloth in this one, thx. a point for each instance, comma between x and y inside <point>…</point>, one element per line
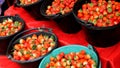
<point>110,56</point>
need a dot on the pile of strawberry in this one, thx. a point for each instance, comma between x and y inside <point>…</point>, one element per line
<point>72,60</point>
<point>101,13</point>
<point>33,47</point>
<point>9,27</point>
<point>26,2</point>
<point>60,6</point>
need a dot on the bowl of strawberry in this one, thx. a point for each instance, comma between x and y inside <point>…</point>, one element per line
<point>31,47</point>
<point>72,56</point>
<point>61,12</point>
<point>31,6</point>
<point>9,27</point>
<point>100,21</point>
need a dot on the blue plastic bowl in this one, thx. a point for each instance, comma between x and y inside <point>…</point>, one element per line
<point>72,48</point>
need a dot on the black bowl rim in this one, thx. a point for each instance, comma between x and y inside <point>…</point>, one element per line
<point>18,4</point>
<point>59,15</point>
<point>36,59</point>
<point>82,22</point>
<point>21,20</point>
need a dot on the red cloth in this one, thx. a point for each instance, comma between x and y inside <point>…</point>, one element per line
<point>110,56</point>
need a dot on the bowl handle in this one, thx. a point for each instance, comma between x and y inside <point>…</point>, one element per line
<point>54,16</point>
<point>17,15</point>
<point>41,29</point>
<point>93,49</point>
<point>15,3</point>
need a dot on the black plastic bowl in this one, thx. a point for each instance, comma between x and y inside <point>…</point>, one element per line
<point>32,9</point>
<point>4,40</point>
<point>37,31</point>
<point>97,36</point>
<point>66,22</point>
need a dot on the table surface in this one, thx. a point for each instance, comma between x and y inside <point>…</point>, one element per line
<point>109,56</point>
